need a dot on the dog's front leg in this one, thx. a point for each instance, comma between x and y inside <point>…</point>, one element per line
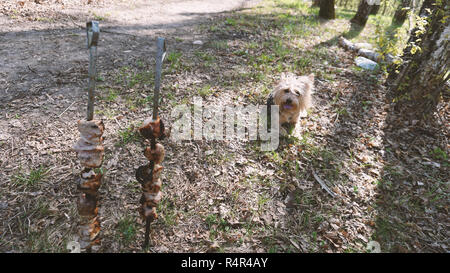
<point>286,128</point>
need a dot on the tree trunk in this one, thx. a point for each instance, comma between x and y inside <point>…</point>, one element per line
<point>362,14</point>
<point>315,3</point>
<point>401,12</point>
<point>384,7</point>
<point>423,76</point>
<point>327,9</point>
<point>374,9</point>
<point>345,5</point>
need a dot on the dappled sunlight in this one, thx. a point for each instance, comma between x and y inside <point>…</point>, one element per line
<point>387,176</point>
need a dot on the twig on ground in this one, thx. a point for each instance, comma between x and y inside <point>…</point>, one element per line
<point>324,186</point>
<point>65,110</point>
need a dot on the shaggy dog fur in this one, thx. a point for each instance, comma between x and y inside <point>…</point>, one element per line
<point>292,94</point>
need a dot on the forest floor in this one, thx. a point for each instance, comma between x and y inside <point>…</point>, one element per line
<point>389,173</point>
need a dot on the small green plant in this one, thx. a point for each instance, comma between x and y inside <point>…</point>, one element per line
<point>39,242</point>
<point>206,57</point>
<point>34,177</point>
<point>231,22</point>
<point>366,104</point>
<point>134,186</point>
<point>342,111</point>
<point>213,28</point>
<point>108,112</point>
<point>112,95</point>
<point>44,19</point>
<point>439,154</point>
<point>127,229</point>
<point>99,17</point>
<point>262,200</point>
<point>127,135</point>
<point>174,59</point>
<point>211,220</point>
<point>170,218</point>
<point>216,224</point>
<point>144,77</point>
<point>205,91</point>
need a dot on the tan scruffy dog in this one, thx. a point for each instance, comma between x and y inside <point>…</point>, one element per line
<point>292,94</point>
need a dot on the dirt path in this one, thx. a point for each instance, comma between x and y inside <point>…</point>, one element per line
<point>48,55</point>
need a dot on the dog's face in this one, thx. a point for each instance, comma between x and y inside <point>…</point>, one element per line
<point>292,92</point>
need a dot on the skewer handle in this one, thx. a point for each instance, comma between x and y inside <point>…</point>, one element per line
<point>93,33</point>
<point>160,55</point>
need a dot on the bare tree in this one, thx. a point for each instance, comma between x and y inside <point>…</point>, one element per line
<point>327,9</point>
<point>423,76</point>
<point>345,4</point>
<point>385,4</point>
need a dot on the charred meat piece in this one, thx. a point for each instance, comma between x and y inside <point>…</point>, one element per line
<point>89,147</point>
<point>91,159</point>
<point>156,155</point>
<point>152,128</point>
<point>91,129</point>
<point>148,211</point>
<point>87,205</point>
<point>152,187</point>
<point>89,182</point>
<point>88,232</point>
<point>143,174</point>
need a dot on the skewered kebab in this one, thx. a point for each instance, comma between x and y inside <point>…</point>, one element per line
<point>148,175</point>
<point>90,152</point>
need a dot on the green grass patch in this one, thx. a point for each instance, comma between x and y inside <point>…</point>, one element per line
<point>127,230</point>
<point>128,135</point>
<point>206,91</point>
<point>32,178</point>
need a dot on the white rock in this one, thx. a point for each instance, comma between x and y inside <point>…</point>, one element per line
<point>364,45</point>
<point>365,63</point>
<point>197,42</point>
<point>373,247</point>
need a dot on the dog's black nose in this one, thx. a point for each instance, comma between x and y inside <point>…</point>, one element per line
<point>289,101</point>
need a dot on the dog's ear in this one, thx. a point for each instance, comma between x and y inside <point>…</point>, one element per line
<point>309,81</point>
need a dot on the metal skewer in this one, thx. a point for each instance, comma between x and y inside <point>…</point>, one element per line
<point>93,33</point>
<point>160,55</point>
